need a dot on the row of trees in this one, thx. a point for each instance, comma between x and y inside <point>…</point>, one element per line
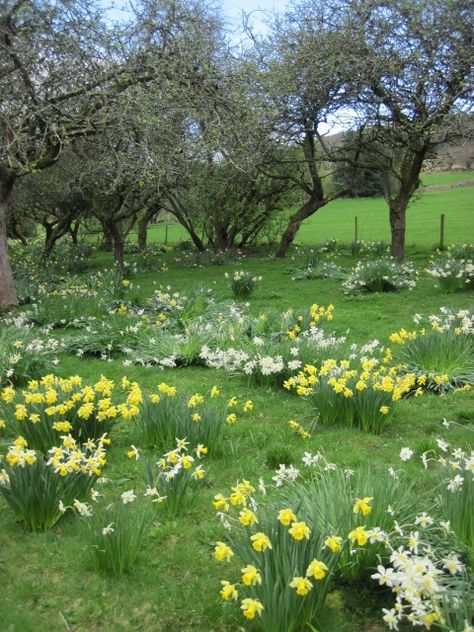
<point>107,125</point>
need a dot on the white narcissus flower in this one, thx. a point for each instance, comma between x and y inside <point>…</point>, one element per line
<point>128,497</point>
<point>406,454</point>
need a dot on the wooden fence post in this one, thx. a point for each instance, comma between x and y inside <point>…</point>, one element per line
<point>441,232</point>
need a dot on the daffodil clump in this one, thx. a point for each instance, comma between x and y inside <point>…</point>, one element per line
<point>116,530</point>
<point>359,393</point>
<point>53,406</point>
<point>39,488</point>
<point>175,478</point>
<point>441,353</point>
<point>286,560</point>
<point>201,418</point>
<point>452,273</point>
<point>456,469</point>
<point>281,345</point>
<point>24,355</point>
<point>363,503</point>
<point>417,554</point>
<point>381,275</point>
<point>304,322</point>
<point>242,283</point>
<point>431,585</point>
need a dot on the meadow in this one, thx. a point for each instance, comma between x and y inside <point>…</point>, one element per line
<point>170,320</point>
<point>336,221</point>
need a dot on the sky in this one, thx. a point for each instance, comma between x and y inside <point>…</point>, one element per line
<point>233,10</point>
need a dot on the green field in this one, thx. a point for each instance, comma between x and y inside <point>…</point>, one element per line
<point>337,219</point>
<point>446,177</point>
<point>48,581</point>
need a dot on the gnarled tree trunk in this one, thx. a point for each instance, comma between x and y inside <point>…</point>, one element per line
<point>107,238</point>
<point>398,228</point>
<point>142,228</point>
<point>308,209</point>
<point>8,296</point>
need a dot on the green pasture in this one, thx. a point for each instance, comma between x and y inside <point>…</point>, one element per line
<point>337,219</point>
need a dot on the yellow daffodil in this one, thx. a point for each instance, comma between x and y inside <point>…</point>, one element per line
<point>260,542</point>
<point>302,585</point>
<point>299,531</point>
<point>222,552</point>
<point>251,576</point>
<point>317,569</point>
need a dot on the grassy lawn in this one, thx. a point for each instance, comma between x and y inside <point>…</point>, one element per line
<point>336,221</point>
<point>48,580</point>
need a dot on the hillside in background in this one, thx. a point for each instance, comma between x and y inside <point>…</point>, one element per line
<point>453,156</point>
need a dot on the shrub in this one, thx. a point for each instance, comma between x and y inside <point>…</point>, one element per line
<point>53,406</point>
<point>442,359</point>
<point>457,495</point>
<point>324,270</point>
<point>452,274</point>
<point>363,397</point>
<point>24,356</point>
<point>344,500</point>
<point>383,275</point>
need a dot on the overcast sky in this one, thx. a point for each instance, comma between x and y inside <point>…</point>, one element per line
<point>233,9</point>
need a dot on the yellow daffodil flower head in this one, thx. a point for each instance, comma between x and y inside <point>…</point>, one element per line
<point>286,517</point>
<point>302,585</point>
<point>222,552</point>
<point>333,542</point>
<point>228,591</point>
<point>317,569</point>
<point>251,575</point>
<point>247,518</point>
<point>299,531</point>
<point>359,535</point>
<point>251,607</point>
<point>362,505</point>
<point>260,542</point>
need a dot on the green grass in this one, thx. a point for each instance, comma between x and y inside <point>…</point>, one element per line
<point>337,219</point>
<point>446,177</point>
<point>48,581</point>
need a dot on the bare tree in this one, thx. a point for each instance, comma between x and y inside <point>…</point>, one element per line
<point>411,64</point>
<point>303,87</point>
<point>62,69</point>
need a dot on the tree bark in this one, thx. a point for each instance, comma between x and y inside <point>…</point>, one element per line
<point>53,234</point>
<point>107,239</point>
<point>142,233</point>
<point>308,209</point>
<point>410,169</point>
<point>15,232</point>
<point>142,228</point>
<point>74,232</point>
<point>8,298</point>
<point>398,229</point>
<point>118,242</point>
